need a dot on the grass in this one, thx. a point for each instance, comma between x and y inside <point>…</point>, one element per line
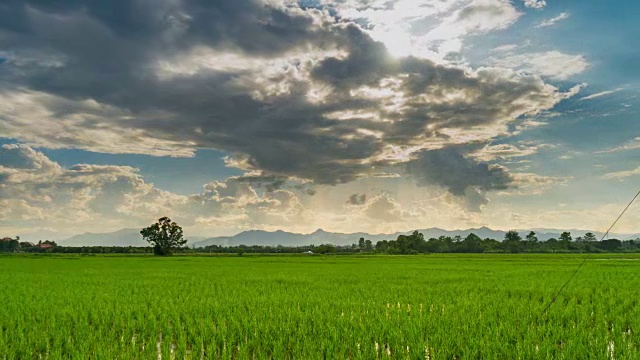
<point>297,307</point>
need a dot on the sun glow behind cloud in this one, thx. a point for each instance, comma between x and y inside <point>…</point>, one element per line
<point>398,41</point>
<point>428,29</point>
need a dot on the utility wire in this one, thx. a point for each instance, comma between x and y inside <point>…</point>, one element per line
<point>555,297</point>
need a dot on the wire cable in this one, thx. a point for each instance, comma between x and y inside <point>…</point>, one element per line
<point>555,297</point>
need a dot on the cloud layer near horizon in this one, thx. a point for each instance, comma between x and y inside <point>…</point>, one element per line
<point>36,192</point>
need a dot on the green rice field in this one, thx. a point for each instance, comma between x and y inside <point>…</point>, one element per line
<point>318,307</point>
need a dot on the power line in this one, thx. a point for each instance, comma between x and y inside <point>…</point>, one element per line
<point>555,297</point>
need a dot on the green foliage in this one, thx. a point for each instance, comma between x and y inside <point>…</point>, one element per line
<point>512,241</point>
<point>9,245</point>
<point>316,307</point>
<point>368,246</point>
<point>472,244</point>
<point>610,245</point>
<point>326,249</point>
<point>165,236</point>
<point>565,236</point>
<point>411,244</point>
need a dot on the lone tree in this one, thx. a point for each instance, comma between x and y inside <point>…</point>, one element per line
<point>165,236</point>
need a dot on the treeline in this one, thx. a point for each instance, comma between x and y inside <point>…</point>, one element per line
<point>94,250</point>
<point>404,244</point>
<point>279,249</point>
<point>512,243</point>
<point>15,245</point>
<point>417,244</point>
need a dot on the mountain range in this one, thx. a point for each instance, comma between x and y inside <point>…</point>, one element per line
<point>124,237</point>
<point>259,237</point>
<point>132,237</point>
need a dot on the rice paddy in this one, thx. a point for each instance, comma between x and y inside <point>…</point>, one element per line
<point>318,307</point>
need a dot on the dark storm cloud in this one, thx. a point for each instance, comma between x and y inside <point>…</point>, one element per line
<point>357,199</point>
<point>94,71</point>
<point>109,45</point>
<point>450,169</point>
<point>461,176</point>
<point>269,182</point>
<point>367,63</point>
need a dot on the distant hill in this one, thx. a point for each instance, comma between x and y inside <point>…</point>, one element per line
<point>132,237</point>
<point>259,237</point>
<point>124,237</point>
<point>545,234</point>
<point>42,235</point>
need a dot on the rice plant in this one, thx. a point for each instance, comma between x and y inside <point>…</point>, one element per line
<point>317,307</point>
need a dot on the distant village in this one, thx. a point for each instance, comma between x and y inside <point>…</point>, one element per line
<point>8,244</point>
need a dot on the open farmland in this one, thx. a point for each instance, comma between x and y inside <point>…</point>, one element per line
<point>285,307</point>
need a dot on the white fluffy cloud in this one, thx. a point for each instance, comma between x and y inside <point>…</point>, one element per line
<point>508,151</point>
<point>236,204</point>
<point>535,184</point>
<point>600,94</point>
<point>426,28</point>
<point>478,16</point>
<point>554,20</point>
<point>34,189</point>
<point>36,192</point>
<point>621,175</point>
<point>553,64</point>
<point>535,4</point>
<point>385,209</point>
<point>631,145</point>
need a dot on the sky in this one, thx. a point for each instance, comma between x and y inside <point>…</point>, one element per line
<point>348,115</point>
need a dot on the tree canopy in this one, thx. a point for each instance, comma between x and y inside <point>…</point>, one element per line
<point>165,236</point>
